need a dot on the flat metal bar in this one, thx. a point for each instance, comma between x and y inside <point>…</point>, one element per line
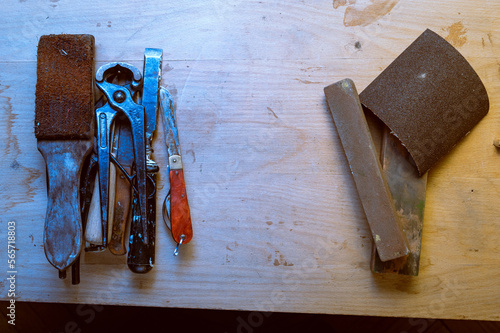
<point>408,191</point>
<point>350,121</point>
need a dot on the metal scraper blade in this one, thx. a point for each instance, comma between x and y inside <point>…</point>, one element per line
<point>408,192</point>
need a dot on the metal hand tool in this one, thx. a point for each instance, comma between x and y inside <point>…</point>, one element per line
<point>123,191</point>
<point>370,181</point>
<point>120,100</point>
<point>428,99</point>
<point>176,212</point>
<point>408,192</point>
<point>141,253</point>
<point>64,128</point>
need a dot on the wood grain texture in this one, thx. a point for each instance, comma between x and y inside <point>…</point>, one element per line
<point>278,222</point>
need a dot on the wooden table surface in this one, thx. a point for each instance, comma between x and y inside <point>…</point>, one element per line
<point>278,225</point>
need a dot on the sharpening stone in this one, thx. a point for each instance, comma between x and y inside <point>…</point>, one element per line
<point>366,169</point>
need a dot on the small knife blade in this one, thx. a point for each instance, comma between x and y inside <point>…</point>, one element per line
<point>169,122</point>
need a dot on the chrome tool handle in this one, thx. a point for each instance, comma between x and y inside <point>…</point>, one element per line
<point>142,237</point>
<point>141,254</point>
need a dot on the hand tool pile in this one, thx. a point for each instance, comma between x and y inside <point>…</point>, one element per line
<point>424,102</point>
<point>101,176</point>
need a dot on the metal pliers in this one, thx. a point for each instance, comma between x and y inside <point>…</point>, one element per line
<point>120,101</point>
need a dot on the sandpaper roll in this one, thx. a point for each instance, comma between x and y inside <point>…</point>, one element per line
<point>430,97</point>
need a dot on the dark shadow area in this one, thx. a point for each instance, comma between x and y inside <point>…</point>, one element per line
<point>79,318</point>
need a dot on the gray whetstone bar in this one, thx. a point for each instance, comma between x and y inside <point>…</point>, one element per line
<point>371,184</point>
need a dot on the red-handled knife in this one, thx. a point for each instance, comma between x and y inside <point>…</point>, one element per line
<point>175,208</point>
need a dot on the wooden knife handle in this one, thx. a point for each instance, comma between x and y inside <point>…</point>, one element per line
<point>123,200</point>
<point>93,225</point>
<point>180,217</point>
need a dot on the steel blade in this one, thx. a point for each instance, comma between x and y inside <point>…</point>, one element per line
<point>169,122</point>
<point>152,78</point>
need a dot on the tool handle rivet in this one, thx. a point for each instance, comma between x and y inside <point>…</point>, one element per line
<point>119,96</point>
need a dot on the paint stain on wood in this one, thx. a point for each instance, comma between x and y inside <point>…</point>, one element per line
<point>232,246</point>
<point>362,13</point>
<point>12,145</point>
<point>192,153</point>
<point>279,259</point>
<point>167,68</point>
<point>312,69</point>
<point>27,176</point>
<point>307,81</point>
<point>457,34</point>
<point>339,3</point>
<point>273,113</point>
<point>30,176</point>
<point>173,91</point>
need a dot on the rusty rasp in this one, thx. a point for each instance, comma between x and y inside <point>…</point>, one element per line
<point>347,112</point>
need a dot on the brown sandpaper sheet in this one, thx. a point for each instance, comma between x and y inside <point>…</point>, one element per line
<point>430,98</point>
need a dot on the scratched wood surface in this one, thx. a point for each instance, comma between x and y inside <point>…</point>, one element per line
<point>278,225</point>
